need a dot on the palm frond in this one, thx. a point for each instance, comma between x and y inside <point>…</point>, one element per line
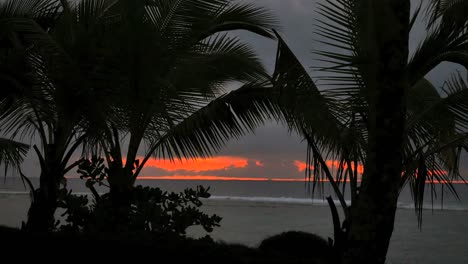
<point>436,131</point>
<point>241,16</point>
<point>450,13</point>
<point>201,19</point>
<point>38,9</point>
<point>12,153</point>
<point>300,98</point>
<point>217,60</point>
<point>322,119</point>
<point>209,128</point>
<point>229,116</point>
<point>441,45</point>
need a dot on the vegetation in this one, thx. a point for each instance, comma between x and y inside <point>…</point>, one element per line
<point>301,245</point>
<point>113,77</point>
<point>115,246</point>
<point>379,111</point>
<point>101,73</point>
<point>150,210</point>
<point>12,153</point>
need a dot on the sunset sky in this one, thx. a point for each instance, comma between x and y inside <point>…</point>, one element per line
<point>271,152</point>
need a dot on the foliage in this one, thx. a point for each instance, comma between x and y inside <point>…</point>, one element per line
<point>376,114</point>
<point>297,244</point>
<point>12,153</point>
<point>92,73</point>
<point>436,120</point>
<point>114,247</point>
<point>149,209</point>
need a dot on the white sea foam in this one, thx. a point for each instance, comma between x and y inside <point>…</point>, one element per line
<point>323,202</point>
<point>290,200</point>
<point>287,200</point>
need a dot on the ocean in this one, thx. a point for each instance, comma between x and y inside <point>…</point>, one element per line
<point>437,197</point>
<point>252,211</point>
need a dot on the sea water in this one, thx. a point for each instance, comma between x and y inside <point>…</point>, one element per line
<point>252,211</point>
<point>436,197</point>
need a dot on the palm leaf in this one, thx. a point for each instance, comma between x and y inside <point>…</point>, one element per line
<point>12,153</point>
<point>209,128</point>
<point>450,13</point>
<point>441,45</point>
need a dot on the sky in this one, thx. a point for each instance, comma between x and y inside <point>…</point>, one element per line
<point>271,152</point>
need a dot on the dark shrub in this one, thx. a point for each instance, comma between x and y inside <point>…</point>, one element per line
<point>299,245</point>
<point>145,209</point>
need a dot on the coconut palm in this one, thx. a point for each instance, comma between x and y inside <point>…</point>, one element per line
<point>51,95</point>
<point>377,109</point>
<point>172,59</point>
<point>105,70</point>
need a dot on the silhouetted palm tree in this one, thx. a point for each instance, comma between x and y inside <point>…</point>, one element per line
<point>379,111</point>
<point>171,58</point>
<point>51,95</point>
<point>100,71</point>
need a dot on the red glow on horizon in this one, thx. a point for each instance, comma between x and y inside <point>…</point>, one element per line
<point>228,178</point>
<point>199,164</point>
<point>259,164</point>
<point>301,166</point>
<point>201,178</point>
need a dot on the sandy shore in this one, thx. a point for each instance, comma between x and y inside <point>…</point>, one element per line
<point>443,239</point>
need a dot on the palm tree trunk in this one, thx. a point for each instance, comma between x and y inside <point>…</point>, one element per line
<point>373,214</point>
<point>41,214</point>
<point>42,210</point>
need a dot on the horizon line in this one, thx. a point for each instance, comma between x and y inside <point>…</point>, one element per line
<point>228,178</point>
<point>253,179</point>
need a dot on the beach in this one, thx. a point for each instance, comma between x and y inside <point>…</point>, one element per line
<point>443,238</point>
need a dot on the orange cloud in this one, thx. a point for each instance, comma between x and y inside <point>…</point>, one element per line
<point>301,166</point>
<point>199,164</point>
<point>201,177</point>
<point>259,164</point>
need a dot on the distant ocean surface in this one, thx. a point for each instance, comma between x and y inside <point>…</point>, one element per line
<point>270,191</point>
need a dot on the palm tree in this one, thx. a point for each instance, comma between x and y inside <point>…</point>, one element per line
<point>102,70</point>
<point>11,68</point>
<point>379,111</point>
<point>51,95</point>
<point>172,59</point>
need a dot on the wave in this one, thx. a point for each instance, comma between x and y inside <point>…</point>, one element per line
<point>289,200</point>
<point>323,202</point>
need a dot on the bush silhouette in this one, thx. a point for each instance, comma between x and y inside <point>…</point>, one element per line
<point>297,244</point>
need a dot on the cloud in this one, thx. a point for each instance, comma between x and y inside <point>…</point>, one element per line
<point>201,177</point>
<point>222,168</point>
<point>301,166</point>
<point>332,164</point>
<point>199,164</point>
